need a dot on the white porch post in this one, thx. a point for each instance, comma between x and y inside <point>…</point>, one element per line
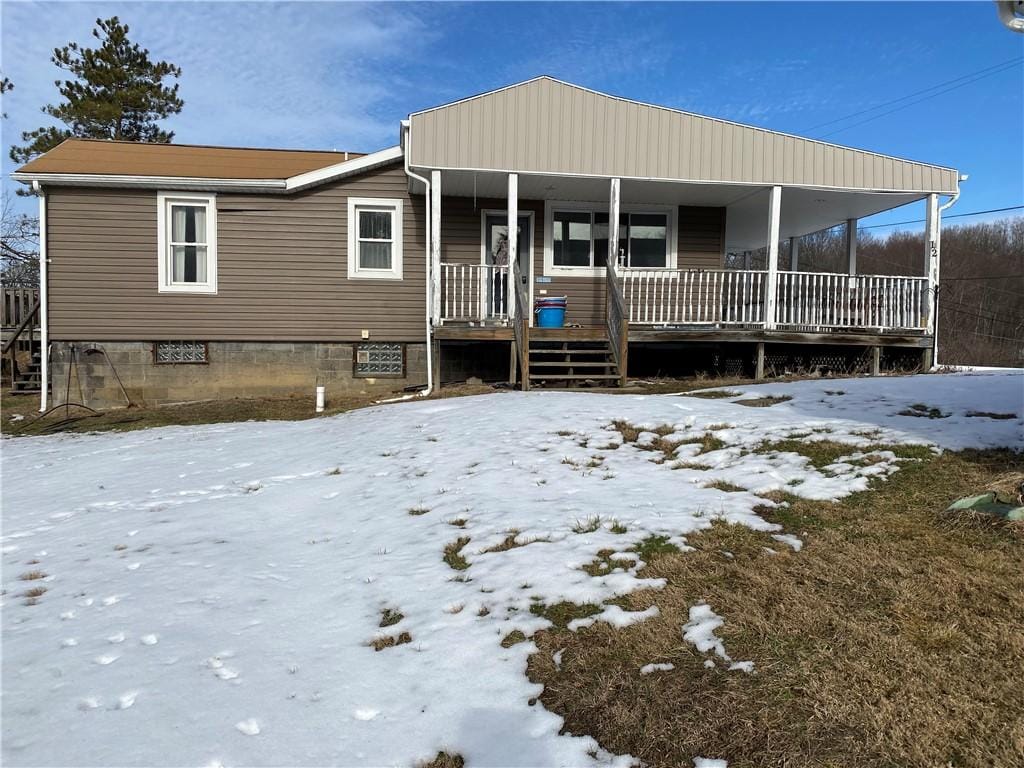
<point>435,244</point>
<point>851,246</point>
<point>794,253</point>
<point>931,257</point>
<point>772,287</point>
<point>613,223</point>
<point>513,241</point>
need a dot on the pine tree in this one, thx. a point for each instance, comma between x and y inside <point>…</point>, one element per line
<point>116,92</point>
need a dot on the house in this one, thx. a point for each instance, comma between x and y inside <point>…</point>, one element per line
<point>177,272</point>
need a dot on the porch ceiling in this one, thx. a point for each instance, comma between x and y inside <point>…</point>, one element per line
<point>804,210</point>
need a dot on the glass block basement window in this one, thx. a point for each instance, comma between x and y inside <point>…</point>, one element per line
<point>376,359</point>
<point>180,352</point>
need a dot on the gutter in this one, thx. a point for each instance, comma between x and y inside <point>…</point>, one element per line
<point>44,319</point>
<point>935,339</point>
<point>427,233</point>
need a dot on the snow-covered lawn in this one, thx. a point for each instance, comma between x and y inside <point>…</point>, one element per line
<point>213,594</point>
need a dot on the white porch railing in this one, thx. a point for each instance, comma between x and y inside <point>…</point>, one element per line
<point>805,301</point>
<point>809,301</point>
<point>694,297</point>
<point>825,301</point>
<point>473,293</point>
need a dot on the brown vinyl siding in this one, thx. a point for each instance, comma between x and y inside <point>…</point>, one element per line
<point>282,268</point>
<point>546,126</point>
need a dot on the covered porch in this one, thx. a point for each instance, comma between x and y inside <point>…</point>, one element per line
<point>662,285</point>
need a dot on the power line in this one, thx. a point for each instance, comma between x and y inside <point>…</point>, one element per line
<point>1004,68</point>
<point>952,216</point>
<point>916,93</point>
<point>988,277</point>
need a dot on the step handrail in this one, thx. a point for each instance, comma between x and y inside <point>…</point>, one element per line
<point>9,345</point>
<point>521,325</point>
<point>616,319</point>
<point>25,322</point>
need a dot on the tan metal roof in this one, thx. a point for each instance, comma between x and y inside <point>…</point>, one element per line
<point>548,126</point>
<point>125,158</point>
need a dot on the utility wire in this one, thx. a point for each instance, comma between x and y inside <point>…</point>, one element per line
<point>989,70</point>
<point>952,216</point>
<point>1008,66</point>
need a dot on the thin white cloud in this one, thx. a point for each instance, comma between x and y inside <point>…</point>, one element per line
<point>318,75</point>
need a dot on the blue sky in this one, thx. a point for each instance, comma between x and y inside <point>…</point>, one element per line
<point>342,75</point>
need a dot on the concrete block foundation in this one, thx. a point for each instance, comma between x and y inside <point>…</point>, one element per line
<point>93,373</point>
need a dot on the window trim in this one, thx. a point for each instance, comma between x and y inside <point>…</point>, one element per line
<point>394,206</point>
<point>671,213</point>
<point>164,200</point>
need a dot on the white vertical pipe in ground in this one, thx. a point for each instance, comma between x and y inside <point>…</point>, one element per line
<point>320,391</point>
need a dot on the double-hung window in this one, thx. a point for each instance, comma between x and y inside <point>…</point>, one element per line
<point>374,238</point>
<point>187,243</point>
<point>579,240</point>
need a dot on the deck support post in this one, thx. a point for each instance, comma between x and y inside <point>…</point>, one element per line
<point>513,242</point>
<point>931,265</point>
<point>759,361</point>
<point>876,361</point>
<point>794,254</point>
<point>772,253</point>
<point>851,246</point>
<point>435,245</point>
<point>513,355</point>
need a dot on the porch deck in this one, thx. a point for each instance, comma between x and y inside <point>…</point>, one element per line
<point>642,334</point>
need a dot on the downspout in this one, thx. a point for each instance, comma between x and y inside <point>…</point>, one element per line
<point>427,233</point>
<point>44,320</point>
<point>935,339</point>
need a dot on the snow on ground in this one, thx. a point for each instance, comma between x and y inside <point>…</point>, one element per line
<point>212,592</point>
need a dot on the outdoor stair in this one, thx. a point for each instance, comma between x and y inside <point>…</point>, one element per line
<point>570,364</point>
<point>29,380</point>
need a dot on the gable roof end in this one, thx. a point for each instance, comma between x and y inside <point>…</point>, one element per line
<point>549,126</point>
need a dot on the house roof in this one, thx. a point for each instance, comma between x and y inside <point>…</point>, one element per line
<point>546,126</point>
<point>125,158</point>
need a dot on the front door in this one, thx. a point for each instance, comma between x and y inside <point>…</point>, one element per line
<point>496,255</point>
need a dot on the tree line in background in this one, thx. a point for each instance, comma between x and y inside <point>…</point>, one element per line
<point>981,284</point>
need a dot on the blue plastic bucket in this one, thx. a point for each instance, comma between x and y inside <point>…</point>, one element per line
<point>550,312</point>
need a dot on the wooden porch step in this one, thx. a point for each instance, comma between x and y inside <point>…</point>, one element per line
<point>573,376</point>
<point>570,364</point>
<point>571,351</point>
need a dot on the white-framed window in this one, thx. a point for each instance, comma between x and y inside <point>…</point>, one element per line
<point>374,238</point>
<point>186,242</point>
<point>576,238</point>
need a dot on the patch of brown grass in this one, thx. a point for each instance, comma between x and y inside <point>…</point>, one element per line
<point>380,643</point>
<point>763,402</point>
<point>32,595</point>
<point>389,617</point>
<point>723,485</point>
<point>991,415</point>
<point>714,394</point>
<point>444,760</point>
<point>893,638</point>
<point>417,511</point>
<point>453,554</point>
<point>513,638</point>
<point>510,543</point>
<point>32,575</point>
